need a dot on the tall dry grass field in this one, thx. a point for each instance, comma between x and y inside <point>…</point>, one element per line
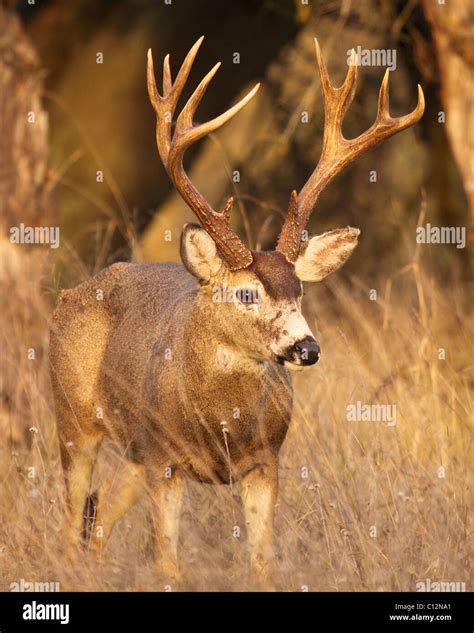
<point>364,505</point>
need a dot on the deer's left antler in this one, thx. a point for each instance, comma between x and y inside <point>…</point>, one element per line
<point>338,151</point>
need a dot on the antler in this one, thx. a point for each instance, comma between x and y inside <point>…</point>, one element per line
<point>172,148</point>
<point>338,151</point>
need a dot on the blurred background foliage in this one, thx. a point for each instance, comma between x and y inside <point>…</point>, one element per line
<point>101,119</point>
<point>91,117</point>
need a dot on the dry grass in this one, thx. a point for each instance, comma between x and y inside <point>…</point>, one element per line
<point>359,474</point>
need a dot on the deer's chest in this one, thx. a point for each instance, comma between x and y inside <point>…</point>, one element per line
<point>227,420</point>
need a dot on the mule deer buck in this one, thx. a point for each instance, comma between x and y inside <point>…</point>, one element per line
<point>169,360</point>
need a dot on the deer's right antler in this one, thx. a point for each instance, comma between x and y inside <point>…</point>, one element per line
<point>172,147</point>
<point>338,151</point>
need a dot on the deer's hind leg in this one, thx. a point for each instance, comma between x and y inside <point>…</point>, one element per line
<point>114,498</point>
<point>78,341</point>
<point>78,459</point>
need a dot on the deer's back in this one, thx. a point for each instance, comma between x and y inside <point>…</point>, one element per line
<point>100,325</point>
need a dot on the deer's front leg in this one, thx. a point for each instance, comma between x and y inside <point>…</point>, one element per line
<point>167,494</point>
<point>259,493</point>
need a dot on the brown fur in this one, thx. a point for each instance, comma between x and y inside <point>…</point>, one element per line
<point>145,356</point>
<point>184,379</point>
<point>276,274</point>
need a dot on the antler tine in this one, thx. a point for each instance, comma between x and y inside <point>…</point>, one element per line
<point>342,97</point>
<point>337,151</point>
<point>385,125</point>
<point>163,127</point>
<point>165,105</point>
<point>186,133</point>
<point>185,119</point>
<point>383,103</point>
<point>383,110</point>
<point>167,82</point>
<point>172,149</point>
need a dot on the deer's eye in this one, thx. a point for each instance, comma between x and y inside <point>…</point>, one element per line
<point>248,296</point>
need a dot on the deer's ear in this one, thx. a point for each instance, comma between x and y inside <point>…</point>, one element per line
<point>199,252</point>
<point>323,254</point>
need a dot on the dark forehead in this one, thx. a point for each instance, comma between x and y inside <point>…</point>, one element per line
<point>276,274</point>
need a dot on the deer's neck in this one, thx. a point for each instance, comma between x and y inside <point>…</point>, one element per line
<point>207,341</point>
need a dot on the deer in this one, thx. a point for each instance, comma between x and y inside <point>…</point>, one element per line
<point>169,361</point>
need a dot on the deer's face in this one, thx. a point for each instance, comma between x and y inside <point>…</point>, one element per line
<point>271,326</point>
<point>258,309</point>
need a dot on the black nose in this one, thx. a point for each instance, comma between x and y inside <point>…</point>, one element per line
<point>307,351</point>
